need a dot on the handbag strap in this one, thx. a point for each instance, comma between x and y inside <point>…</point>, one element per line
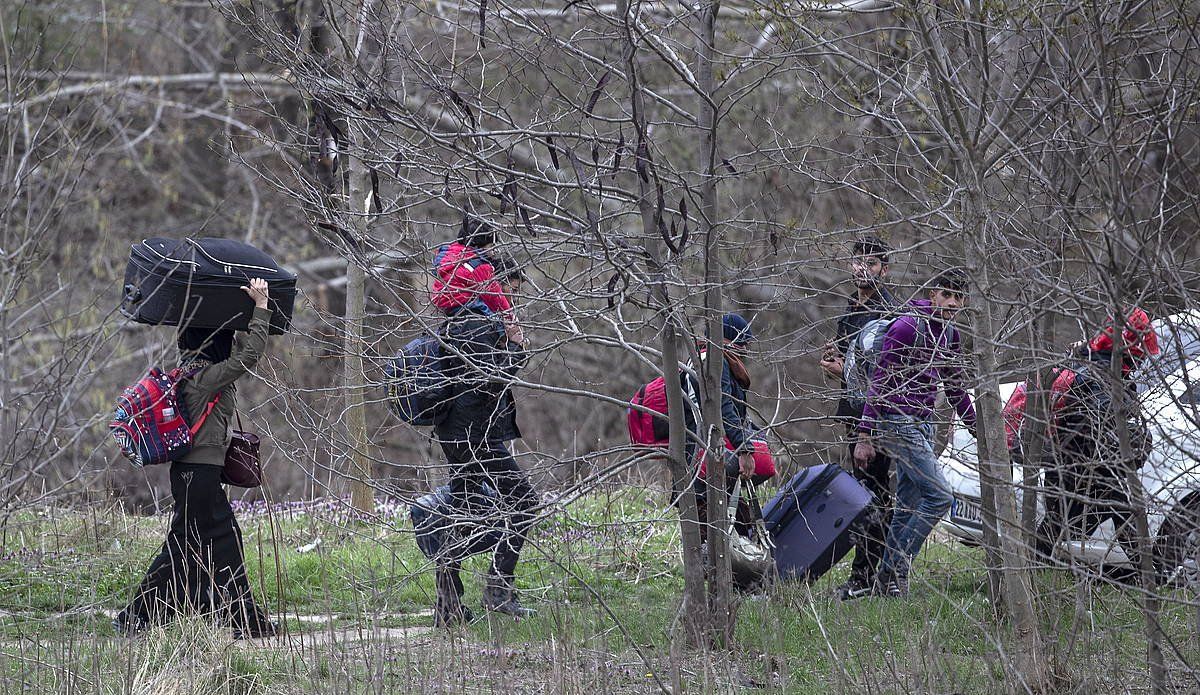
<point>237,413</point>
<point>760,528</point>
<point>731,509</point>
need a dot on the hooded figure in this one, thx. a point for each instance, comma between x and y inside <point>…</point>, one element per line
<point>1139,341</point>
<point>1137,337</point>
<point>1087,474</point>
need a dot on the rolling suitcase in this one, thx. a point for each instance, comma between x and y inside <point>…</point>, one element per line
<point>811,518</point>
<point>197,283</point>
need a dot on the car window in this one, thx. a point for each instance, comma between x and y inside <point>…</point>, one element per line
<point>1177,345</point>
<point>1190,395</point>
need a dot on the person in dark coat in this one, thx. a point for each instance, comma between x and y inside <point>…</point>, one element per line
<point>201,566</point>
<point>1086,478</point>
<point>740,431</point>
<point>870,301</point>
<point>480,361</point>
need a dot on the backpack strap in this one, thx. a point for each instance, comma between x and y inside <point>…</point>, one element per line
<point>211,404</point>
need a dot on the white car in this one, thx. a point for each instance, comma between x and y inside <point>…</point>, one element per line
<point>1169,389</point>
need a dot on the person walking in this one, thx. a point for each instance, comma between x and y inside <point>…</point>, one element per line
<point>921,352</point>
<point>201,565</point>
<point>744,454</point>
<point>870,301</point>
<point>481,355</point>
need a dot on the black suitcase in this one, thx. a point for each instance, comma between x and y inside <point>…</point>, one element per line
<point>444,531</point>
<point>811,520</point>
<point>197,283</point>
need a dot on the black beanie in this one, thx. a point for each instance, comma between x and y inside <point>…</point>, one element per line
<point>476,233</point>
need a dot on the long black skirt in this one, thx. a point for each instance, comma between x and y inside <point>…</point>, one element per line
<point>201,567</point>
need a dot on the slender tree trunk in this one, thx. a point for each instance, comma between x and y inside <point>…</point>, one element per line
<point>1033,431</point>
<point>1151,605</point>
<point>694,608</point>
<point>719,581</point>
<point>362,496</point>
<point>995,467</point>
<point>359,206</point>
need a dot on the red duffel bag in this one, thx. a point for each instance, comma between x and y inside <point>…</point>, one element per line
<point>764,462</point>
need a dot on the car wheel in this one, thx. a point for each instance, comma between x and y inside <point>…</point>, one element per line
<point>1177,548</point>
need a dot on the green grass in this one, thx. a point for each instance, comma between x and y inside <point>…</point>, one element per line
<point>604,575</point>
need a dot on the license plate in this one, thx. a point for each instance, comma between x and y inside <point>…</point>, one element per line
<point>967,511</point>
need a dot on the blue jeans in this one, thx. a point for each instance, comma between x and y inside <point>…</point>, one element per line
<point>922,495</point>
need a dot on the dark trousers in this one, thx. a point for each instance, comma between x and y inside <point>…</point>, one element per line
<point>1080,497</point>
<point>201,566</point>
<point>472,465</point>
<point>870,534</point>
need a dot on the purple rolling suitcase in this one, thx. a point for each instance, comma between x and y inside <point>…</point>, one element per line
<point>810,520</point>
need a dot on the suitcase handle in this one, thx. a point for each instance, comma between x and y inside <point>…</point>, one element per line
<point>133,294</point>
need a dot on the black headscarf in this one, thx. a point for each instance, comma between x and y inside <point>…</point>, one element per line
<point>206,344</point>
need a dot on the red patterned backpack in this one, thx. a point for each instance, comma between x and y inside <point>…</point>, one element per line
<point>150,423</point>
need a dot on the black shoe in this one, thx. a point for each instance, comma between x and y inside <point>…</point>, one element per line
<point>888,585</point>
<point>251,622</point>
<point>447,616</point>
<point>126,625</point>
<point>855,588</point>
<point>498,597</point>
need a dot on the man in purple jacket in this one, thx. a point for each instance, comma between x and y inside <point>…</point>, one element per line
<point>920,352</point>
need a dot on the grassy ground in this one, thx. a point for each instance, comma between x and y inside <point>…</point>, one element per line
<point>605,577</point>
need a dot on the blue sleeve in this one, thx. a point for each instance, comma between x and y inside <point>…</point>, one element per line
<point>731,420</point>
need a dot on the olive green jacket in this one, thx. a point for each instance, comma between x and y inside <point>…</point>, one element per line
<point>212,439</point>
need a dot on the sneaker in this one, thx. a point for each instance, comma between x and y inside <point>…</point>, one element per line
<point>891,586</point>
<point>499,598</point>
<point>855,588</point>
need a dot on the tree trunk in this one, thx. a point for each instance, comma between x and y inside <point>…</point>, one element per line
<point>719,580</point>
<point>362,496</point>
<point>1151,605</point>
<point>358,217</point>
<point>1033,431</point>
<point>995,467</point>
<point>694,608</point>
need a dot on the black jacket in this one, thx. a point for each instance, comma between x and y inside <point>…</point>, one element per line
<point>478,364</point>
<point>1086,425</point>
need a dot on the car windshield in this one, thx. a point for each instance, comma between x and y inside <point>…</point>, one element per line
<point>1178,341</point>
<point>1190,395</point>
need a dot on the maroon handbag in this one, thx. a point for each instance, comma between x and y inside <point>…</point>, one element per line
<point>242,468</point>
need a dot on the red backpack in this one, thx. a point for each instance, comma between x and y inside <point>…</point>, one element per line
<point>150,423</point>
<point>1014,409</point>
<point>649,429</point>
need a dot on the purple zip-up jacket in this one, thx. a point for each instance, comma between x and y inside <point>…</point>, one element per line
<point>910,369</point>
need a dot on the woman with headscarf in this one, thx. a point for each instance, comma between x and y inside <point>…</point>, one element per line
<point>201,565</point>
